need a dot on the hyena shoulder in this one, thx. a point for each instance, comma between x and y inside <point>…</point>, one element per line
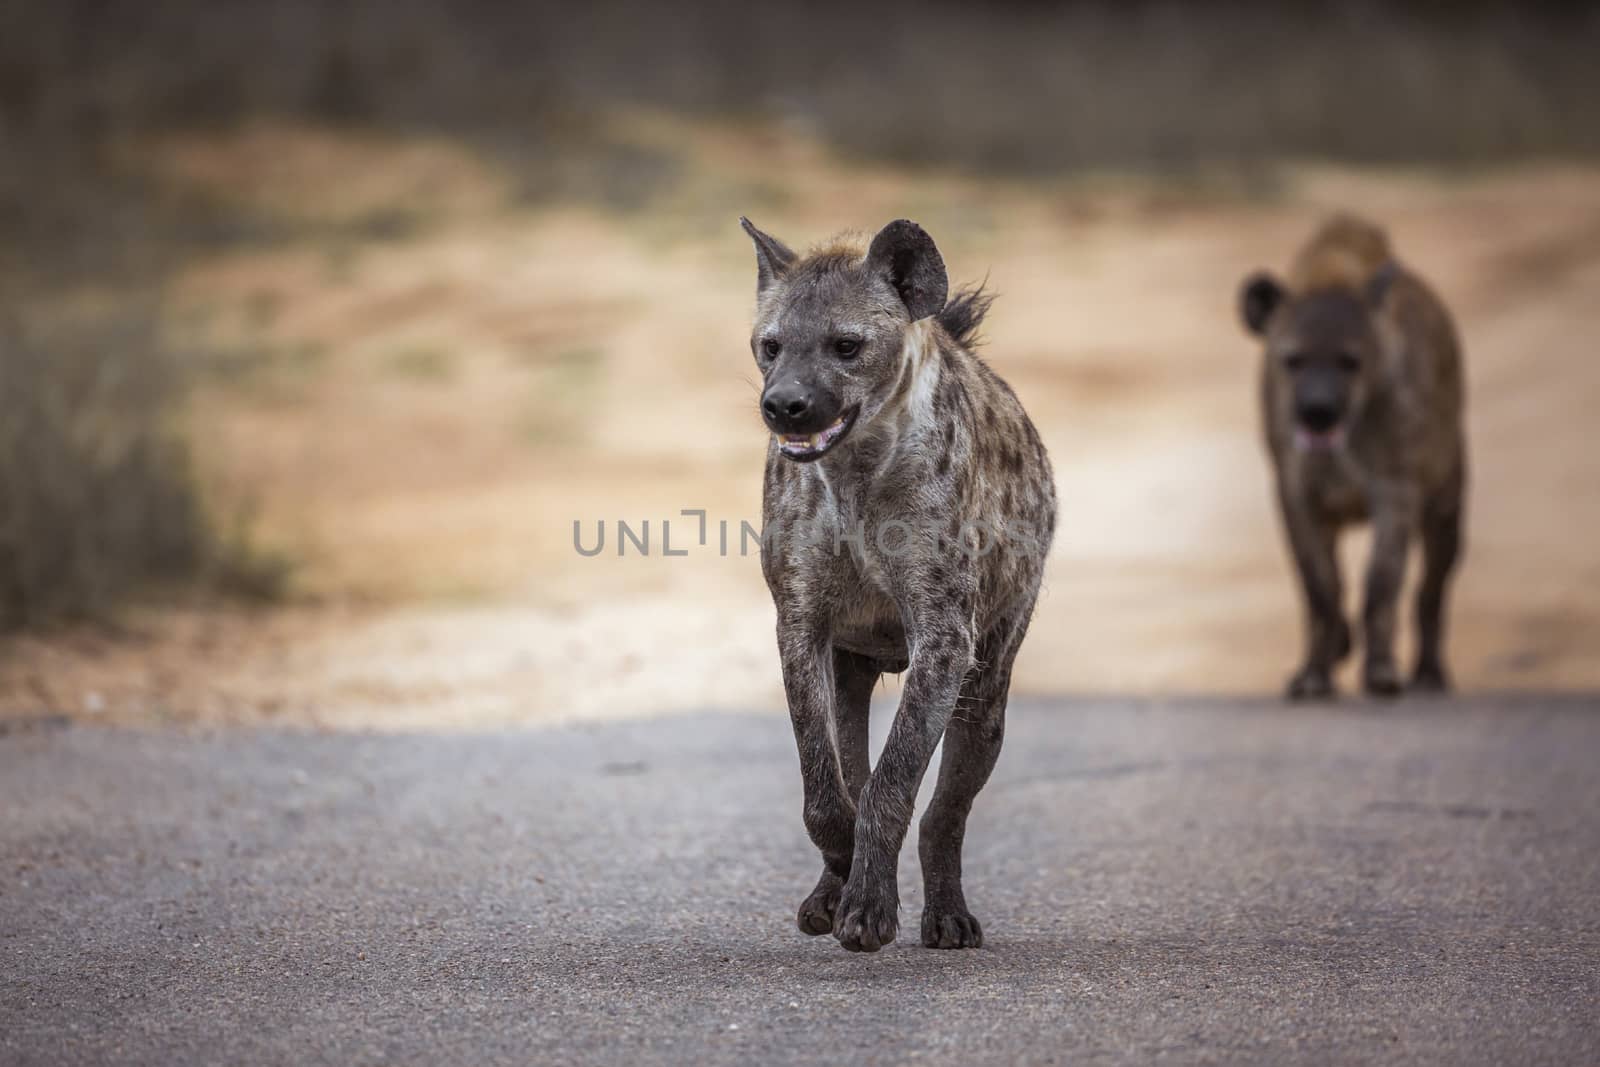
<point>1345,252</point>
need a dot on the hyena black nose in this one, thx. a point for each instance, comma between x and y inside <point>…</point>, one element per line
<point>786,408</point>
<point>1317,415</point>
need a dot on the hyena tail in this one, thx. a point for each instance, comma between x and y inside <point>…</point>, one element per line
<point>964,313</point>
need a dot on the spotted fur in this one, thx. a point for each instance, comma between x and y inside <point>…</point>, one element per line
<point>939,446</point>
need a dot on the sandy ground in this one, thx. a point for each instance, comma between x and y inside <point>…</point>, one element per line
<point>420,417</point>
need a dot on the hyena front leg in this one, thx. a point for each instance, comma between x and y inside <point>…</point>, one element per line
<point>1313,540</point>
<point>853,679</point>
<point>1392,520</point>
<point>971,746</point>
<point>808,682</point>
<point>868,915</point>
<point>1441,547</point>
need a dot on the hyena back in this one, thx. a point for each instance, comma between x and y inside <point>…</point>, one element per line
<point>935,504</point>
<point>1362,397</point>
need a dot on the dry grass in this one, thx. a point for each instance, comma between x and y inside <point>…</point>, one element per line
<point>1009,86</point>
<point>395,290</point>
<point>599,371</point>
<point>99,494</point>
<point>95,489</point>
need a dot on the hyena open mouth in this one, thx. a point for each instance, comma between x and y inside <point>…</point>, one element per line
<point>1309,440</point>
<point>806,447</point>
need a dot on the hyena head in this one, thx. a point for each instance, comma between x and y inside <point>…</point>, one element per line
<point>830,331</point>
<point>1322,351</point>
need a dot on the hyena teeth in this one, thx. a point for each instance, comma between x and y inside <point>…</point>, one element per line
<point>811,441</point>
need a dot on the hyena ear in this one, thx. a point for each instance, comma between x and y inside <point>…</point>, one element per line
<point>905,255</point>
<point>1259,297</point>
<point>773,257</point>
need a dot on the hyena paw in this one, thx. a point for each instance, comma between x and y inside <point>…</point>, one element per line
<point>1310,683</point>
<point>818,909</point>
<point>868,917</point>
<point>1381,678</point>
<point>950,927</point>
<point>1430,678</point>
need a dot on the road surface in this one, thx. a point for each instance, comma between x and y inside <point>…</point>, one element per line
<point>1176,881</point>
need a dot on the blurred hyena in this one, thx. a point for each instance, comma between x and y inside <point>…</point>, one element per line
<point>936,505</point>
<point>1361,394</point>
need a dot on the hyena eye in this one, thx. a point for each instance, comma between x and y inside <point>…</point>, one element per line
<point>1349,362</point>
<point>846,347</point>
<point>1294,362</point>
<point>771,346</point>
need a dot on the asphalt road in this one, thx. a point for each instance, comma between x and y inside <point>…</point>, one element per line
<point>1204,881</point>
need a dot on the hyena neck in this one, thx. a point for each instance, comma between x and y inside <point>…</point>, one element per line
<point>898,437</point>
<point>910,413</point>
<point>896,442</point>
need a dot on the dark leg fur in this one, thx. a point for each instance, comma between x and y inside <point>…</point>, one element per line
<point>854,677</point>
<point>971,746</point>
<point>868,913</point>
<point>1313,543</point>
<point>1441,548</point>
<point>829,810</point>
<point>1386,572</point>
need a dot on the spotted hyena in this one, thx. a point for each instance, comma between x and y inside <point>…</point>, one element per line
<point>1361,398</point>
<point>908,508</point>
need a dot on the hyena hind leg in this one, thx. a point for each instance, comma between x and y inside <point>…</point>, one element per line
<point>971,746</point>
<point>1441,548</point>
<point>854,678</point>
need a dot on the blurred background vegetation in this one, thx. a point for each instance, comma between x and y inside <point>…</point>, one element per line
<point>128,165</point>
<point>1012,85</point>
